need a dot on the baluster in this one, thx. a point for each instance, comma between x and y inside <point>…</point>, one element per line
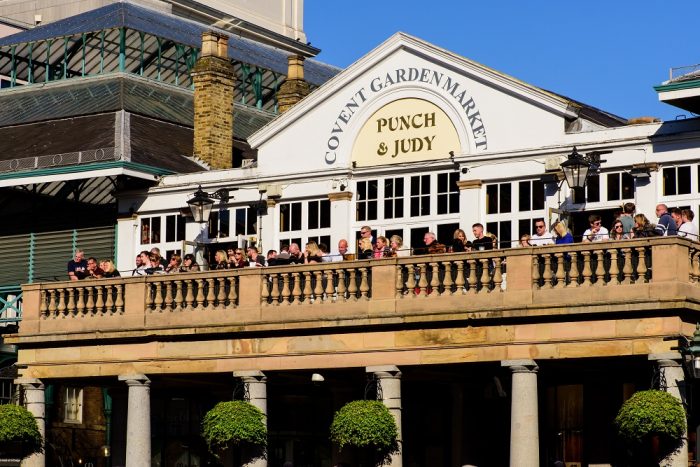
<point>61,302</point>
<point>691,270</point>
<point>200,294</point>
<point>364,284</point>
<point>536,272</point>
<point>52,303</point>
<point>109,300</point>
<point>307,287</point>
<point>178,295</point>
<point>296,291</point>
<point>641,265</point>
<point>149,296</point>
<point>423,281</point>
<point>573,271</point>
<point>119,302</point>
<point>318,287</point>
<point>158,301</point>
<point>71,302</point>
<point>168,302</point>
<point>561,273</point>
<point>614,268</point>
<point>459,280</point>
<point>80,306</point>
<point>547,274</point>
<point>497,275</point>
<point>399,282</point>
<point>627,268</point>
<point>221,292</point>
<point>352,286</point>
<point>410,280</point>
<point>330,287</point>
<point>210,292</point>
<point>696,266</point>
<point>435,280</point>
<point>43,306</point>
<point>447,280</point>
<point>90,304</point>
<point>100,301</point>
<point>275,294</point>
<point>285,288</point>
<point>600,268</point>
<point>233,291</point>
<point>485,276</point>
<point>342,289</point>
<point>472,276</point>
<point>587,268</point>
<point>265,293</point>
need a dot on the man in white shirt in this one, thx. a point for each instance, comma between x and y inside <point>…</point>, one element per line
<point>342,251</point>
<point>688,228</point>
<point>596,233</point>
<point>541,236</point>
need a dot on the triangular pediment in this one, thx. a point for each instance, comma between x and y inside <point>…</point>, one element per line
<point>410,101</point>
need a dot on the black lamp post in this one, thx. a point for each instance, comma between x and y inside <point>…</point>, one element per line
<point>577,167</point>
<point>200,205</point>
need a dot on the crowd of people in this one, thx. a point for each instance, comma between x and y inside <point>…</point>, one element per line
<point>627,225</point>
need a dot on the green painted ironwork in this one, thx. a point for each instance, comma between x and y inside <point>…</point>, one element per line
<point>30,269</point>
<point>83,59</point>
<point>13,73</point>
<point>47,72</point>
<point>122,49</point>
<point>141,36</point>
<point>30,69</point>
<point>65,57</point>
<point>102,51</point>
<point>10,304</point>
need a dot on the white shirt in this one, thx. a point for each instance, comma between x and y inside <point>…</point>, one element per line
<point>602,235</point>
<point>540,240</point>
<point>688,229</point>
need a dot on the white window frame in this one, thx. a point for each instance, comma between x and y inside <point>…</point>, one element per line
<point>73,404</point>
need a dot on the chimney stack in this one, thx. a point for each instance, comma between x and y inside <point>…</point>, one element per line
<point>213,79</point>
<point>294,87</point>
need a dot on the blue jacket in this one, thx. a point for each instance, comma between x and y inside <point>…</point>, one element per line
<point>666,225</point>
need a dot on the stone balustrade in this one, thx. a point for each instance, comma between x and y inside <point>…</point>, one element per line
<point>503,281</point>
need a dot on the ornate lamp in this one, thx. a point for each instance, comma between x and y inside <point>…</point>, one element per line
<point>576,169</point>
<point>201,205</point>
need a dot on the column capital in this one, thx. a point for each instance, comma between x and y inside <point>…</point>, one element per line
<point>384,371</point>
<point>340,196</point>
<point>666,358</point>
<point>521,366</point>
<point>135,380</point>
<point>467,184</point>
<point>34,382</point>
<point>250,375</point>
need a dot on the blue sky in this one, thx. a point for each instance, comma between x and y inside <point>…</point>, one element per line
<point>608,54</point>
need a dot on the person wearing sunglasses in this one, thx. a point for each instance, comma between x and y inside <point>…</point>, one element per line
<point>618,231</point>
<point>596,233</point>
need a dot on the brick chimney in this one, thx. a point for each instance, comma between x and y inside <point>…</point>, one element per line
<point>213,79</point>
<point>294,87</point>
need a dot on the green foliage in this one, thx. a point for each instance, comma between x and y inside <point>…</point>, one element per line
<point>366,424</point>
<point>18,430</point>
<point>235,422</point>
<point>651,412</point>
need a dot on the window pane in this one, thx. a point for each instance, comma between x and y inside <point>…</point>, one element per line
<point>371,210</point>
<point>361,212</point>
<point>524,227</point>
<point>683,180</point>
<point>425,182</point>
<point>296,216</point>
<point>398,208</point>
<point>239,227</point>
<point>284,218</point>
<point>252,220</point>
<point>492,228</point>
<point>491,199</point>
<point>415,206</point>
<point>669,181</point>
<point>454,202</point>
<point>442,183</point>
<point>155,230</point>
<point>388,187</point>
<point>505,197</point>
<point>415,186</point>
<point>398,187</point>
<point>627,186</point>
<point>537,195</point>
<point>613,187</point>
<point>372,189</point>
<point>145,231</point>
<point>313,215</point>
<point>504,234</point>
<point>325,221</point>
<point>170,228</point>
<point>524,196</point>
<point>361,191</point>
<point>388,209</point>
<point>442,204</point>
<point>224,223</point>
<point>593,188</point>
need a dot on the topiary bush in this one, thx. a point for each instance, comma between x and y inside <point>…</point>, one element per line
<point>237,423</point>
<point>366,424</point>
<point>652,414</point>
<point>19,432</point>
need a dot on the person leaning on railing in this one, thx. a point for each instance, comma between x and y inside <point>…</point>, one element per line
<point>109,269</point>
<point>643,228</point>
<point>174,264</point>
<point>189,264</point>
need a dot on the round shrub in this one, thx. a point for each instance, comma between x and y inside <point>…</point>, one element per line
<point>19,431</point>
<point>234,422</point>
<point>366,424</point>
<point>651,412</point>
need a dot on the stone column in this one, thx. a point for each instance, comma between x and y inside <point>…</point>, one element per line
<point>340,220</point>
<point>389,387</point>
<point>256,391</point>
<point>671,374</point>
<point>35,403</point>
<point>470,195</point>
<point>138,420</point>
<point>524,426</point>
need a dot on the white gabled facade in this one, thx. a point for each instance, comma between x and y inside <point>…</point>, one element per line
<point>412,138</point>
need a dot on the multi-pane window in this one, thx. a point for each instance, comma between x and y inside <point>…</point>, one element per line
<point>531,195</point>
<point>290,217</point>
<point>393,198</point>
<point>6,391</point>
<point>420,195</point>
<point>676,180</point>
<point>244,219</point>
<point>367,200</point>
<point>321,239</point>
<point>73,405</point>
<point>591,193</point>
<point>620,186</point>
<point>220,223</point>
<point>498,198</point>
<point>174,228</point>
<point>447,193</point>
<point>150,230</point>
<point>319,216</point>
<point>502,231</point>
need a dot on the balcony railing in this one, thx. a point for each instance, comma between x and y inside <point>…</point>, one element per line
<point>333,293</point>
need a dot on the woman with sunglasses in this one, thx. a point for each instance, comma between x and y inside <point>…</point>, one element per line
<point>618,231</point>
<point>238,260</point>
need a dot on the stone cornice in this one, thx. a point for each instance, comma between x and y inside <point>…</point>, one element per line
<point>467,184</point>
<point>340,196</point>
